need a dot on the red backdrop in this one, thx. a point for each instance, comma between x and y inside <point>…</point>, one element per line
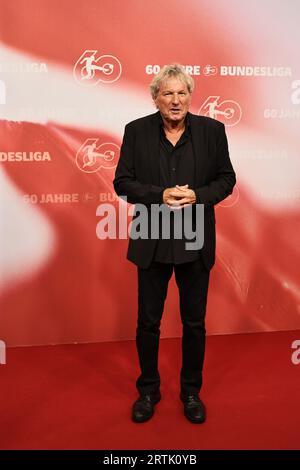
<point>59,283</point>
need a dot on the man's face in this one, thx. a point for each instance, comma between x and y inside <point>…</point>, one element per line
<point>173,100</point>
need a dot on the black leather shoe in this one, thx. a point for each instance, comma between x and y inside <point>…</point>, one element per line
<point>194,409</point>
<point>143,408</point>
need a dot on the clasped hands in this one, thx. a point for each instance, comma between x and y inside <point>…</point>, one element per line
<point>179,197</point>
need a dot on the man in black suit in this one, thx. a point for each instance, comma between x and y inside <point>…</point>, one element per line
<point>178,160</point>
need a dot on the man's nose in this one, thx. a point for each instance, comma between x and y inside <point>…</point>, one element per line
<point>175,98</point>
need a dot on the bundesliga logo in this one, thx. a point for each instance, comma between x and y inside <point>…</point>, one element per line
<point>89,69</point>
<point>91,158</point>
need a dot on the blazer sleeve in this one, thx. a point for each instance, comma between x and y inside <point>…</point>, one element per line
<point>126,183</point>
<point>225,179</point>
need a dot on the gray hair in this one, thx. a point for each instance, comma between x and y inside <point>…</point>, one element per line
<point>168,71</point>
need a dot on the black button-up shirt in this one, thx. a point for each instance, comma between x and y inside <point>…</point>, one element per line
<point>176,167</point>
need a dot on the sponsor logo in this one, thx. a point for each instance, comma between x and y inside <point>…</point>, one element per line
<point>91,158</point>
<point>25,156</point>
<point>295,96</point>
<point>228,111</point>
<point>46,198</point>
<point>190,69</point>
<point>296,354</point>
<point>101,197</point>
<point>2,92</point>
<point>279,196</point>
<point>24,67</point>
<point>209,70</point>
<point>254,71</point>
<point>281,113</point>
<point>229,70</point>
<point>65,198</point>
<point>89,69</point>
<point>286,113</point>
<point>2,352</point>
<point>261,154</point>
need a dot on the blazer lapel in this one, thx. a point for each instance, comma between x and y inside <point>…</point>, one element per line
<point>153,147</point>
<point>199,147</point>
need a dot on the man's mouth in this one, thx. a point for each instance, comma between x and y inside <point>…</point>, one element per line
<point>175,110</point>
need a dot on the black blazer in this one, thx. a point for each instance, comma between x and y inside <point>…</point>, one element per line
<point>137,176</point>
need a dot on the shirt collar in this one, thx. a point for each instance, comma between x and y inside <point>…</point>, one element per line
<point>186,120</point>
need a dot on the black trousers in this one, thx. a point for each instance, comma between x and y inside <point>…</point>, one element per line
<point>192,280</point>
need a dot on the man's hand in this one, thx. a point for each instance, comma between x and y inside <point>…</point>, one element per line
<point>179,197</point>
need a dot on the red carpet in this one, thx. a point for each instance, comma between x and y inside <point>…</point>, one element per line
<point>80,397</point>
